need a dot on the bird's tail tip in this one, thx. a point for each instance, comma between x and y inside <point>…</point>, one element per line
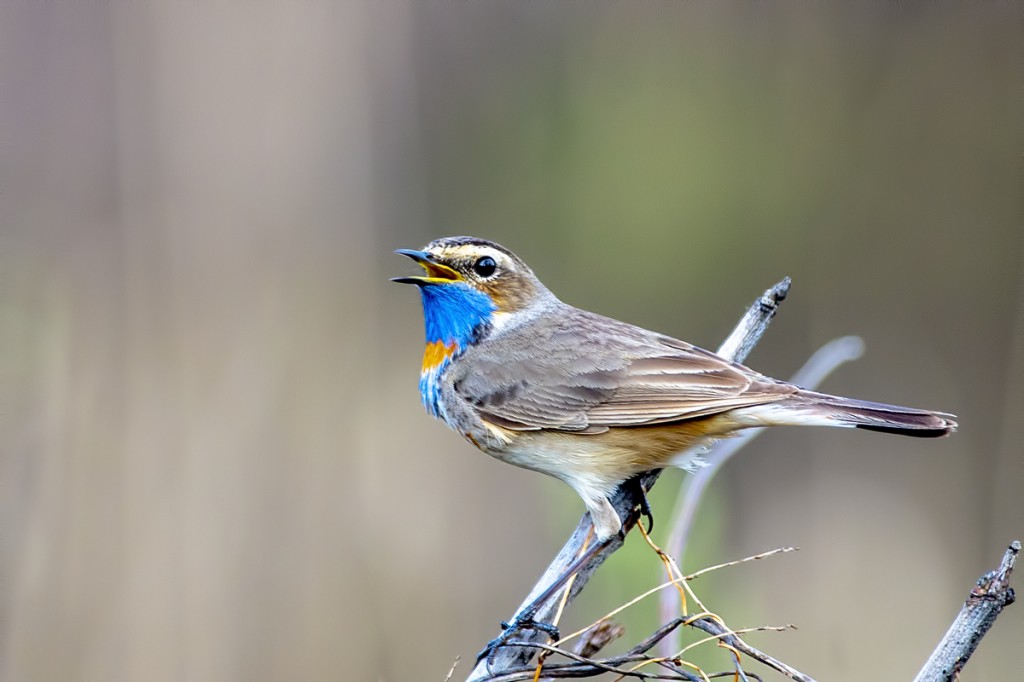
<point>862,414</point>
<point>940,426</point>
<point>808,408</point>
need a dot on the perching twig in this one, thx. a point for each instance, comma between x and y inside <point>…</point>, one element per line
<point>736,347</point>
<point>979,612</point>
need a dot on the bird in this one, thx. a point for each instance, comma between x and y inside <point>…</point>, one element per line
<point>587,399</point>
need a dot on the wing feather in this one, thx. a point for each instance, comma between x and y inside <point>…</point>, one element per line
<point>586,373</point>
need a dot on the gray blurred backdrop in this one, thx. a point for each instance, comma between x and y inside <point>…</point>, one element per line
<point>216,466</point>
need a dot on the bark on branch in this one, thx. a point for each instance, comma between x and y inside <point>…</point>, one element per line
<point>979,612</point>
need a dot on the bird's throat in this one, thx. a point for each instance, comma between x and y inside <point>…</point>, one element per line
<point>455,316</point>
<point>455,313</point>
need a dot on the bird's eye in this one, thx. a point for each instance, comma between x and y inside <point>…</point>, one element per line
<point>485,266</point>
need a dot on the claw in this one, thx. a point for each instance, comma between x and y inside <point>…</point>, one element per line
<point>644,504</point>
<point>523,622</point>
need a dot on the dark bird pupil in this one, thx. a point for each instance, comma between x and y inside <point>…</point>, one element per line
<point>485,267</point>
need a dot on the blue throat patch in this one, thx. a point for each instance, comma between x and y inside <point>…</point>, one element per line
<point>454,312</point>
<point>454,316</point>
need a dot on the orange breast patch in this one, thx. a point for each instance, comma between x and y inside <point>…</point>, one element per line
<point>436,353</point>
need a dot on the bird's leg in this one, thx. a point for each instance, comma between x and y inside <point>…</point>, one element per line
<point>524,619</point>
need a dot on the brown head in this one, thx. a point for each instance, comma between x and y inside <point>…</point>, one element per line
<point>488,267</point>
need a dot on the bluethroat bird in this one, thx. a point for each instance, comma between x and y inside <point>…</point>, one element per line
<point>587,399</point>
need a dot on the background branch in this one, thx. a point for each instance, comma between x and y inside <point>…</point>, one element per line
<point>736,347</point>
<point>979,612</point>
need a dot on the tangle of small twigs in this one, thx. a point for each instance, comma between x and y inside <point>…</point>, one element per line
<point>581,666</point>
<point>638,661</point>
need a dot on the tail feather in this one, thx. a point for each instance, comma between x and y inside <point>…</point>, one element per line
<point>821,409</point>
<point>863,414</point>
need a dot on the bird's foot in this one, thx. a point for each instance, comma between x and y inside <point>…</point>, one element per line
<point>524,621</point>
<point>643,503</point>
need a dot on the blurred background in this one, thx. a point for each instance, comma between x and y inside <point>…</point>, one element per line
<point>215,461</point>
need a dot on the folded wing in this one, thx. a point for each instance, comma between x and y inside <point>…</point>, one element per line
<point>570,380</point>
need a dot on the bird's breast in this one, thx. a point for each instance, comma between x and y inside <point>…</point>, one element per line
<point>437,357</point>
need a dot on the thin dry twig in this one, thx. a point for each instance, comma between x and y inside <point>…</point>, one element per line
<point>606,618</point>
<point>741,631</point>
<point>714,627</point>
<point>988,598</point>
<point>737,562</point>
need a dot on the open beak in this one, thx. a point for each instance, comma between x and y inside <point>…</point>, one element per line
<point>436,273</point>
